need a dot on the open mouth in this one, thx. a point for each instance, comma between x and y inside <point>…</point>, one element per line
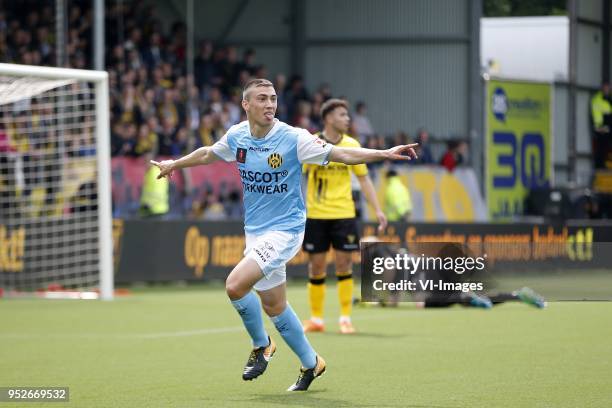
<point>269,115</point>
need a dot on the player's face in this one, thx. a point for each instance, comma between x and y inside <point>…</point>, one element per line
<point>339,119</point>
<point>260,105</point>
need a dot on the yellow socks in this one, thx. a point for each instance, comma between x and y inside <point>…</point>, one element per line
<point>316,297</point>
<point>345,293</point>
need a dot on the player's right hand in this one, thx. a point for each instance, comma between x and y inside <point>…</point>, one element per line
<point>397,152</point>
<point>166,168</point>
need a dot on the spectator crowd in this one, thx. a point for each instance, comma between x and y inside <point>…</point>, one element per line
<point>157,109</point>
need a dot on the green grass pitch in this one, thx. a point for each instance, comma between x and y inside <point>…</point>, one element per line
<point>186,348</point>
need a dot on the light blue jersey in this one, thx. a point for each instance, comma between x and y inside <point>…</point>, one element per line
<point>270,169</point>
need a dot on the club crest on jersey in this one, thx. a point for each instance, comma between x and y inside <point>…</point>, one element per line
<point>275,160</point>
<point>241,155</point>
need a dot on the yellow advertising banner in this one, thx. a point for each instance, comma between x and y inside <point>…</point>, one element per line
<point>518,144</point>
<point>437,194</point>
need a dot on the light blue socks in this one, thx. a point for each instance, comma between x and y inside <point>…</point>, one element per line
<point>289,326</point>
<point>249,310</point>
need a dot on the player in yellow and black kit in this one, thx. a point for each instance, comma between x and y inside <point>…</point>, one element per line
<point>331,218</point>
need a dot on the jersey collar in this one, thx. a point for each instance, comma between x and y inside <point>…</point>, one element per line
<point>270,132</point>
<point>322,136</point>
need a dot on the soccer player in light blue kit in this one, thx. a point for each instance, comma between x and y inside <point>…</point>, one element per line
<point>269,155</point>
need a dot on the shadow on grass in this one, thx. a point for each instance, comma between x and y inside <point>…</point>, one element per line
<point>366,334</point>
<point>315,398</point>
<point>311,398</point>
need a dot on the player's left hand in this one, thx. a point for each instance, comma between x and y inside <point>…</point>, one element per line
<point>396,153</point>
<point>382,221</point>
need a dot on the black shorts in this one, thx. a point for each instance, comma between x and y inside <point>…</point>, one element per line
<point>342,234</point>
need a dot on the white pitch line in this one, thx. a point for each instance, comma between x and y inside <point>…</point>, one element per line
<point>187,333</point>
<point>227,329</point>
<point>160,335</point>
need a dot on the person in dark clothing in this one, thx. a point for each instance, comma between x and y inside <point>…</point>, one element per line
<point>425,155</point>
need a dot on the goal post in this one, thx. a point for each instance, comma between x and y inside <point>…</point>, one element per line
<point>70,103</point>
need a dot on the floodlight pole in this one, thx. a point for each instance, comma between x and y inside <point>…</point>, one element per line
<point>475,136</point>
<point>298,37</point>
<point>98,48</point>
<point>60,32</point>
<point>190,43</point>
<point>572,8</point>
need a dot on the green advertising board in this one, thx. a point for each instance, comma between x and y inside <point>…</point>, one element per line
<point>518,144</point>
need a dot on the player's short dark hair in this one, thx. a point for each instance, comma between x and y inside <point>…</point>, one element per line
<point>331,104</point>
<point>255,82</point>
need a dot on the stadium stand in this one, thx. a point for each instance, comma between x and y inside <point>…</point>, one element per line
<point>157,110</point>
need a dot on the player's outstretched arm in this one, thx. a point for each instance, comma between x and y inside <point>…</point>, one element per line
<point>358,155</point>
<point>203,155</point>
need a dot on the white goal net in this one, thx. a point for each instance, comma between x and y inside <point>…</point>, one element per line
<point>55,211</point>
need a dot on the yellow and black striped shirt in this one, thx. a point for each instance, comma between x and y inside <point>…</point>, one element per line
<point>328,194</point>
